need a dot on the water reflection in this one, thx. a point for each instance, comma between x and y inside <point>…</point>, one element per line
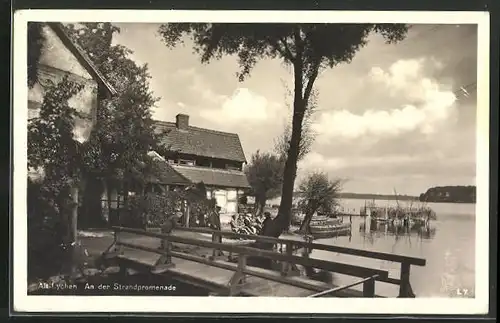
<point>370,230</point>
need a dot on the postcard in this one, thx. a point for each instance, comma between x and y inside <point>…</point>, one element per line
<point>178,161</point>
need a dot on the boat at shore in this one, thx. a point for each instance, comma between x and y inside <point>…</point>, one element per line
<point>329,226</point>
<point>325,226</point>
<point>330,230</point>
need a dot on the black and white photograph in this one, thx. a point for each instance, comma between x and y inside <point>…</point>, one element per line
<point>221,155</point>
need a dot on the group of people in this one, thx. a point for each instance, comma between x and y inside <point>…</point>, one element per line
<point>249,224</point>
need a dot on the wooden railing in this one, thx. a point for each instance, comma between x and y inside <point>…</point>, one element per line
<point>291,246</point>
<point>368,275</point>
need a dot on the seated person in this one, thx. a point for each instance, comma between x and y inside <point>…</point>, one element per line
<point>234,222</point>
<point>267,221</point>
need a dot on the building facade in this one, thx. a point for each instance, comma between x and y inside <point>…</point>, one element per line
<point>60,57</point>
<point>197,155</point>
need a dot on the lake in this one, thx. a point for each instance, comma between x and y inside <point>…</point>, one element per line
<point>449,248</point>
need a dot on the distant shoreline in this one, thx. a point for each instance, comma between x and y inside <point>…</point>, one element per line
<point>377,197</point>
<point>369,197</point>
<point>386,197</point>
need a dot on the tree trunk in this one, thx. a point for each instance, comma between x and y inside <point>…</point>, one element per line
<point>111,221</point>
<point>261,204</point>
<point>304,226</point>
<point>74,249</point>
<point>312,207</point>
<point>282,221</point>
<point>300,100</point>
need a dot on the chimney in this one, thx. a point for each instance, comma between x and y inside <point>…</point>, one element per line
<point>182,121</point>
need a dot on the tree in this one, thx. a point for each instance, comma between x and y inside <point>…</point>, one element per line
<point>282,142</point>
<point>124,131</point>
<point>265,175</point>
<point>51,147</point>
<point>308,48</point>
<point>317,193</point>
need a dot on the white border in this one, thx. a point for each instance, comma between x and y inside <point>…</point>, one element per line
<point>23,302</point>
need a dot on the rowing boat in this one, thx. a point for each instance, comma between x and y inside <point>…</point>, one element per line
<point>333,229</point>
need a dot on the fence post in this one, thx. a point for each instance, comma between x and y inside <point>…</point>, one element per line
<point>404,285</point>
<point>166,246</point>
<point>186,215</point>
<point>239,275</point>
<point>369,288</point>
<point>286,265</point>
<point>216,238</point>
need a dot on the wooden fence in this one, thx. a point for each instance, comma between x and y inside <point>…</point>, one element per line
<point>283,253</point>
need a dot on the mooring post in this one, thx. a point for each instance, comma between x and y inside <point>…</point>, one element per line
<point>404,285</point>
<point>369,288</point>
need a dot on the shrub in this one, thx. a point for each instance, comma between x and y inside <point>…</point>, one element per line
<point>45,232</point>
<point>151,210</point>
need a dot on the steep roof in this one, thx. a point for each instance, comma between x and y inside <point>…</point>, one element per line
<point>201,142</point>
<point>163,173</point>
<point>81,56</point>
<point>213,177</point>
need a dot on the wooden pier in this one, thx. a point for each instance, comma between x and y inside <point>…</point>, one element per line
<point>218,272</point>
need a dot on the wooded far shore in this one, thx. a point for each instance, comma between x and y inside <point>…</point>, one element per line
<point>438,194</point>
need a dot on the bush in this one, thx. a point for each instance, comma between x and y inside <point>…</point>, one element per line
<point>151,210</point>
<point>45,234</point>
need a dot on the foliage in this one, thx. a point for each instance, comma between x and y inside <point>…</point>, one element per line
<point>45,235</point>
<point>36,40</point>
<point>50,135</point>
<point>317,193</point>
<point>265,176</point>
<point>51,146</point>
<point>124,132</point>
<point>152,210</point>
<point>450,194</point>
<point>308,48</point>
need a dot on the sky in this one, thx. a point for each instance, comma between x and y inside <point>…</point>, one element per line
<point>394,119</point>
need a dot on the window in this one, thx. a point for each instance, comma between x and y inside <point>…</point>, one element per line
<point>186,162</point>
<point>203,162</point>
<point>232,195</point>
<point>232,167</point>
<point>171,162</point>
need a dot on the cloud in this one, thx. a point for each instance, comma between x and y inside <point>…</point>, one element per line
<point>318,161</point>
<point>429,104</point>
<point>244,105</point>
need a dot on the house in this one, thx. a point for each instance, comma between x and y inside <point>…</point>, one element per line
<point>60,57</point>
<point>197,155</point>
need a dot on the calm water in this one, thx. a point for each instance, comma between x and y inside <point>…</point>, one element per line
<point>449,248</point>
